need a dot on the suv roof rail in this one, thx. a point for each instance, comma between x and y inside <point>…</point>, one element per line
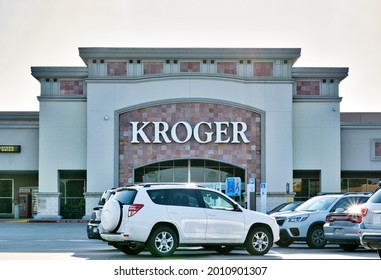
<point>329,193</point>
<point>349,193</point>
<point>148,185</point>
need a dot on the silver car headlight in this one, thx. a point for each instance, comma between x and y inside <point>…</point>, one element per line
<point>298,219</point>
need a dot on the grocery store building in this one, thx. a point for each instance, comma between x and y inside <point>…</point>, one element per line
<point>202,115</point>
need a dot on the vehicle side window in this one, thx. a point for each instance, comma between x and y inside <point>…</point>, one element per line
<point>216,201</point>
<point>376,197</point>
<point>183,197</point>
<point>159,196</point>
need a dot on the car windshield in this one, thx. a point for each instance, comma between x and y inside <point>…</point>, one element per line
<point>290,206</point>
<point>317,203</point>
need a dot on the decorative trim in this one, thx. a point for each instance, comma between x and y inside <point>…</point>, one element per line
<point>375,149</point>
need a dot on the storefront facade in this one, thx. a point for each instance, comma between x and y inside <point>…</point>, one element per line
<point>140,115</point>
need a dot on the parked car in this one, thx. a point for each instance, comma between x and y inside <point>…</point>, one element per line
<point>341,226</point>
<point>93,231</point>
<point>163,217</point>
<point>306,222</point>
<point>286,206</point>
<point>370,227</point>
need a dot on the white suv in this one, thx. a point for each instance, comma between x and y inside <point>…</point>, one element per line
<point>306,222</point>
<point>370,227</point>
<point>162,217</point>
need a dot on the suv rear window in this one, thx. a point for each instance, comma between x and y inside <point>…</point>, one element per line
<point>347,203</point>
<point>126,197</point>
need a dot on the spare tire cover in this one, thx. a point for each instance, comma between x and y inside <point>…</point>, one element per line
<point>111,215</point>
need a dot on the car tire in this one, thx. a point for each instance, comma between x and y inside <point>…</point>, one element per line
<point>258,241</point>
<point>162,242</point>
<point>284,243</point>
<point>316,238</point>
<point>131,249</point>
<point>349,247</point>
<point>112,215</point>
<point>223,249</point>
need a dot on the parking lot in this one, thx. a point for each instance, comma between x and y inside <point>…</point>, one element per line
<point>63,250</point>
<point>68,241</point>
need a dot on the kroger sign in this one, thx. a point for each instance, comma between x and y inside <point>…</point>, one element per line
<point>215,132</point>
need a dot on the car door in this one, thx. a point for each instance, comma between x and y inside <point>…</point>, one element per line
<point>224,222</point>
<point>186,211</point>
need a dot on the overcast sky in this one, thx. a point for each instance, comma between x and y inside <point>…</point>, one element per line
<point>331,33</point>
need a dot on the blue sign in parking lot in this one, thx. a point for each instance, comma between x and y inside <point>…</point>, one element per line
<point>233,186</point>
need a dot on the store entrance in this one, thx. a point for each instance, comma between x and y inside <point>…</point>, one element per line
<point>72,189</point>
<point>203,172</point>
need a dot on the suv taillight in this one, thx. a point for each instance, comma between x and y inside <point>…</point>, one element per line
<point>364,211</point>
<point>134,208</point>
<point>328,219</point>
<point>356,219</point>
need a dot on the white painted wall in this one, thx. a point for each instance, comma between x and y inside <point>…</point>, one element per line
<point>356,149</point>
<point>27,160</point>
<point>316,140</point>
<point>62,140</point>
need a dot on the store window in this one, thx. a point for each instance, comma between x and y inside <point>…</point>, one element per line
<point>359,184</point>
<point>305,188</point>
<point>6,196</point>
<point>200,171</point>
<point>72,198</point>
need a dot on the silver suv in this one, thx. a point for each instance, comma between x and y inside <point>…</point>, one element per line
<point>370,227</point>
<point>341,226</point>
<point>163,217</point>
<point>306,222</point>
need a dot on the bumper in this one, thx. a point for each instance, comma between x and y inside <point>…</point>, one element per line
<point>130,232</point>
<point>342,235</point>
<point>93,232</point>
<point>370,238</point>
<point>294,235</point>
<point>371,241</point>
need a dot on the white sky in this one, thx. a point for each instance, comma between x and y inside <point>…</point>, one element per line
<point>331,33</point>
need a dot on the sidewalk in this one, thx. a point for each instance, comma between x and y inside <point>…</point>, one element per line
<point>43,221</point>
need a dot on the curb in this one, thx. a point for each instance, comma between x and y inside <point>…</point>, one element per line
<point>43,221</point>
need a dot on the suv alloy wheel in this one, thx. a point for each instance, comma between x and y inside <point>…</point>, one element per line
<point>258,241</point>
<point>162,242</point>
<point>315,237</point>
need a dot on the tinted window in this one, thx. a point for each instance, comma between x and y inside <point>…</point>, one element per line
<point>159,196</point>
<point>376,197</point>
<point>348,203</point>
<point>125,197</point>
<point>183,197</point>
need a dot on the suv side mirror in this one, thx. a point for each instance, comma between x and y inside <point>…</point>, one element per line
<point>339,210</point>
<point>237,208</point>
